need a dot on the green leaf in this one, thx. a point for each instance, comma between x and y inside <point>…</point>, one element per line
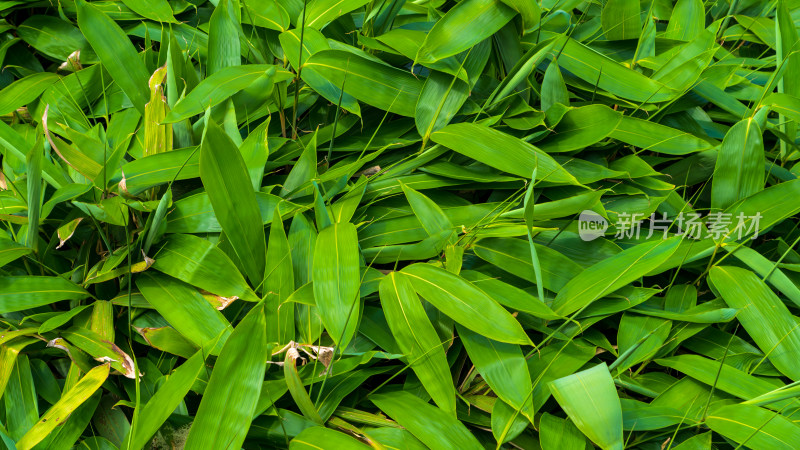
<point>766,269</point>
<point>319,13</point>
<point>296,389</point>
<point>697,442</point>
<point>34,161</point>
<point>225,177</point>
<point>658,138</point>
<point>68,403</point>
<point>8,355</point>
<point>507,423</point>
<point>762,314</point>
<point>101,348</point>
<point>26,292</point>
<point>229,400</point>
<point>503,367</point>
<point>279,284</point>
<point>223,37</point>
<point>464,26</point>
<point>772,205</point>
<point>320,437</point>
<point>687,20</point>
<point>554,90</point>
<point>612,273</point>
<point>580,128</point>
<point>481,143</point>
<point>621,19</point>
<point>632,330</point>
<point>787,42</point>
<point>24,91</point>
<point>528,11</point>
<point>788,105</point>
<point>464,303</point>
<point>509,295</point>
<point>304,170</point>
<point>168,340</point>
<point>441,98</point>
<point>55,38</point>
<point>160,168</point>
<point>513,256</point>
<point>157,226</point>
<point>371,82</point>
<point>21,407</point>
<point>556,433</point>
<point>599,70</point>
<point>313,42</point>
<point>10,250</point>
<point>753,426</point>
<point>116,52</point>
<point>168,397</point>
<point>434,427</point>
<point>725,377</point>
<point>158,10</point>
<point>266,14</point>
<point>336,278</point>
<point>417,338</point>
<point>432,218</point>
<point>200,263</point>
<point>220,86</point>
<point>186,310</point>
<point>708,312</point>
<point>590,400</point>
<point>739,172</point>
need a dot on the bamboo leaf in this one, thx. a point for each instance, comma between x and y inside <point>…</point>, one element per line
<point>434,427</point>
<point>417,338</point>
<point>591,402</point>
<point>371,82</point>
<point>465,303</point>
<point>758,305</point>
<point>336,280</point>
<point>115,51</point>
<point>621,19</point>
<point>503,367</point>
<point>186,310</point>
<point>26,292</point>
<point>739,172</point>
<point>68,403</point>
<point>200,263</point>
<point>754,426</point>
<point>598,280</point>
<point>462,27</point>
<point>234,386</point>
<point>220,86</point>
<point>225,177</point>
<point>156,411</point>
<point>519,158</point>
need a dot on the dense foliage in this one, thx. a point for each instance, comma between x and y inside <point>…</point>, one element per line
<point>399,224</point>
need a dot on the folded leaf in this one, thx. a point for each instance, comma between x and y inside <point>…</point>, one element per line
<point>591,402</point>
